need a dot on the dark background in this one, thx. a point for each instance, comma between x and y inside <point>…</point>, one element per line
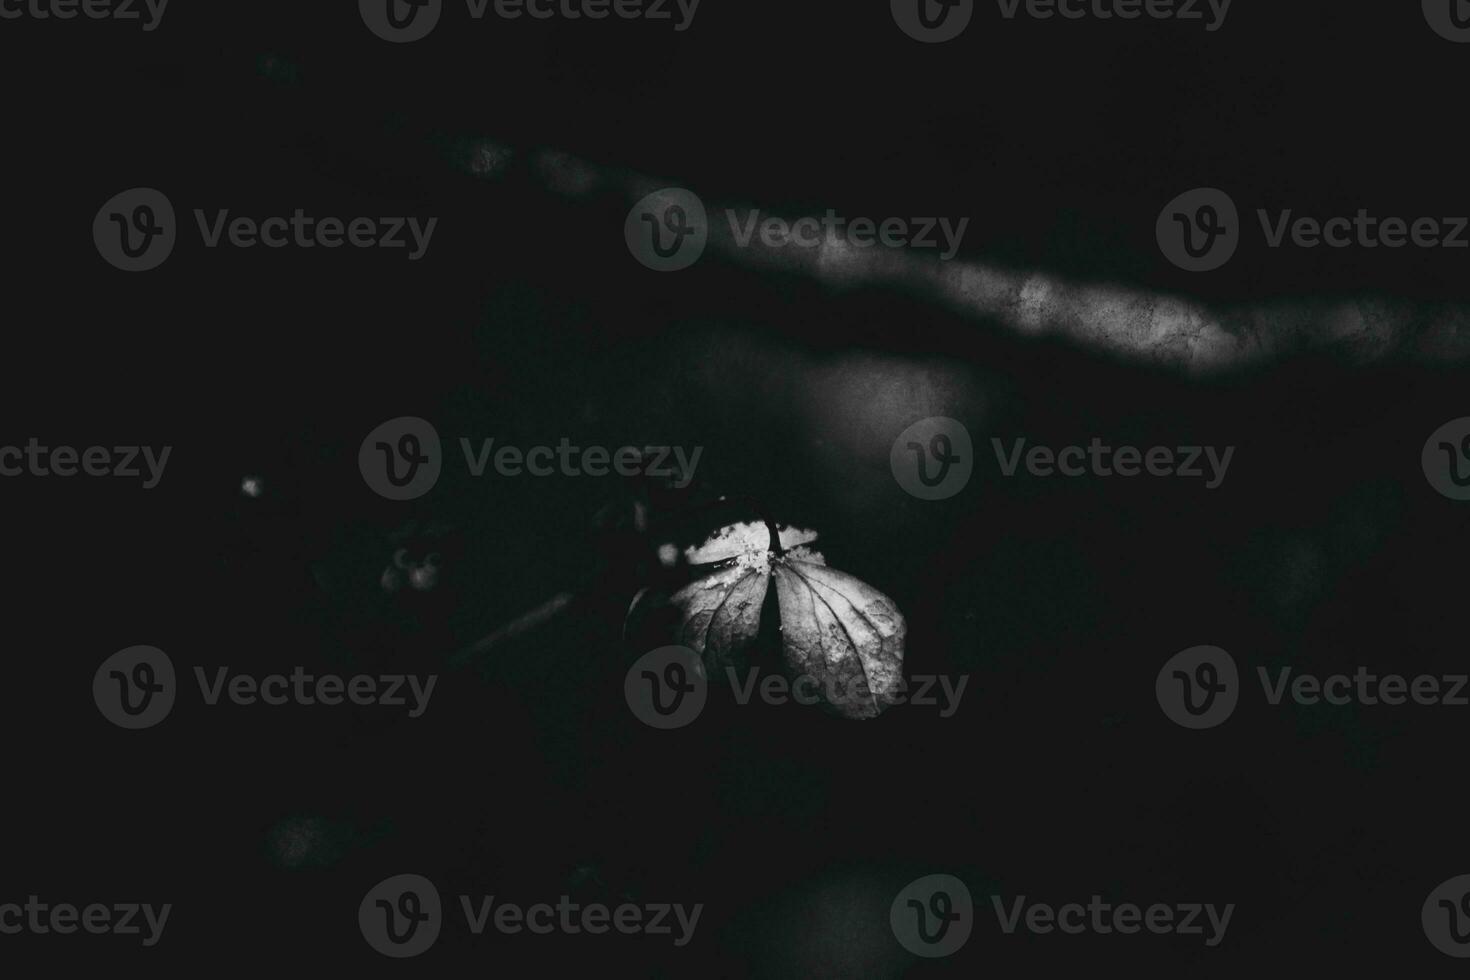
<point>528,321</point>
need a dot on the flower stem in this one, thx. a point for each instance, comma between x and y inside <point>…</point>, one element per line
<point>765,516</point>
